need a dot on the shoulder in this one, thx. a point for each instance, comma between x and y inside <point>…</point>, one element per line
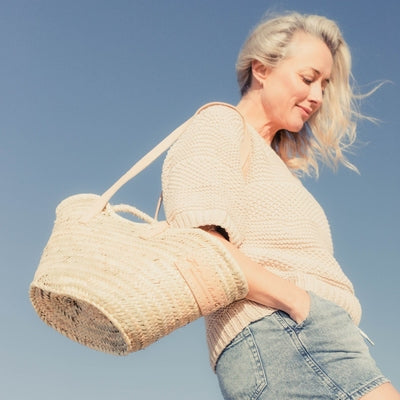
<point>214,124</point>
<point>221,116</point>
<point>215,131</point>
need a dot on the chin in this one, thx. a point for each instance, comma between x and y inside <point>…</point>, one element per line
<point>294,124</point>
<point>295,128</point>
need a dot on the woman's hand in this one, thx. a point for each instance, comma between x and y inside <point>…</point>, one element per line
<point>300,307</point>
<point>268,288</point>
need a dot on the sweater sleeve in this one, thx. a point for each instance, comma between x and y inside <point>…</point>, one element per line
<point>202,180</point>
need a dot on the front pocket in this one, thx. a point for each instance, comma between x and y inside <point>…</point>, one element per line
<point>240,371</point>
<point>287,322</point>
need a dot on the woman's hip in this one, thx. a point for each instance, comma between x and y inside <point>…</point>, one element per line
<point>324,357</point>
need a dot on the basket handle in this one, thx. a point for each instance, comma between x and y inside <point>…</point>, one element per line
<point>126,208</point>
<point>153,154</point>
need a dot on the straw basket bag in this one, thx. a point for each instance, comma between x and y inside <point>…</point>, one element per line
<point>116,285</point>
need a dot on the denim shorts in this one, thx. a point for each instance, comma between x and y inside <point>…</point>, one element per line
<point>324,357</point>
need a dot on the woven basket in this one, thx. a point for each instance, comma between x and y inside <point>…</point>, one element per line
<point>116,285</point>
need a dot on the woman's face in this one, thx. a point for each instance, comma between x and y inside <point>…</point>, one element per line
<point>293,90</point>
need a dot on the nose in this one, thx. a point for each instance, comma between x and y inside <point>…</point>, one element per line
<point>316,94</point>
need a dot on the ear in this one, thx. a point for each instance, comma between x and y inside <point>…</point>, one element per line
<point>259,71</point>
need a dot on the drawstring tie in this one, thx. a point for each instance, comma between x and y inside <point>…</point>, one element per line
<point>365,336</point>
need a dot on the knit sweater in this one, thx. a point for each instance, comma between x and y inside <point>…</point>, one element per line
<point>266,212</point>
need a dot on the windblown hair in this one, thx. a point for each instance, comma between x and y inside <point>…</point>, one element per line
<point>332,129</point>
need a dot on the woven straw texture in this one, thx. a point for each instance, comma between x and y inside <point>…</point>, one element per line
<point>117,285</point>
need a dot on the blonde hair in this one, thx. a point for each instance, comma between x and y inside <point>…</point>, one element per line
<point>331,130</point>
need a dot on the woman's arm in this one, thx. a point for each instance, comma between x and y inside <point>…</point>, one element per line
<point>202,181</point>
<point>268,288</point>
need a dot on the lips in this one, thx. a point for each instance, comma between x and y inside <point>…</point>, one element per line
<point>306,111</point>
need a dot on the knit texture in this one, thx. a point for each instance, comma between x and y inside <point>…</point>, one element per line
<point>267,213</point>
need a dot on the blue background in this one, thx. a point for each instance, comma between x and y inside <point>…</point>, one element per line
<point>87,87</point>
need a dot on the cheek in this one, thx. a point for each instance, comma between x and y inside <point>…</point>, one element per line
<point>293,92</point>
<point>294,85</point>
<point>301,91</point>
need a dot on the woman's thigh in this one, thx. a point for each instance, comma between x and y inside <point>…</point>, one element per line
<point>325,357</point>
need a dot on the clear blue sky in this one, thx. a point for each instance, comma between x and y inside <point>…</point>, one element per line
<point>87,87</point>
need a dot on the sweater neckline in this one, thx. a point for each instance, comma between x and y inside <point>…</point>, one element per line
<point>271,152</point>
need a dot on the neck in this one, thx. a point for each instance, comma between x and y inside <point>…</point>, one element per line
<point>254,114</point>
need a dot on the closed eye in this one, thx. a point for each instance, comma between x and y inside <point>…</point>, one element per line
<point>307,81</point>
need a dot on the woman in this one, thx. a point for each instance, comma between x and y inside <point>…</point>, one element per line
<point>233,173</point>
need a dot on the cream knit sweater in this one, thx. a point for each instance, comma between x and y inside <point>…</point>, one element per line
<point>267,213</point>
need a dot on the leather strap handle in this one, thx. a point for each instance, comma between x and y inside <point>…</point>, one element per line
<point>153,154</point>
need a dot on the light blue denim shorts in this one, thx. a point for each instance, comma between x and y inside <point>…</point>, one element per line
<point>324,357</point>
